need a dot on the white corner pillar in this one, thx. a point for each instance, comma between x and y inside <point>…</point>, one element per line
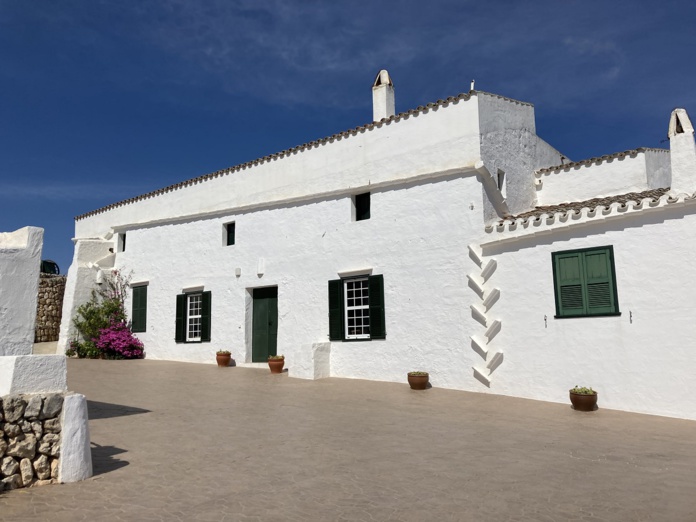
<point>75,452</point>
<point>20,264</point>
<point>82,278</point>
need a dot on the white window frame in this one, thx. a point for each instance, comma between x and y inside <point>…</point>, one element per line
<point>364,308</point>
<point>190,337</point>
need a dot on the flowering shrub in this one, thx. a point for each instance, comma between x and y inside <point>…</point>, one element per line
<point>117,342</point>
<point>101,323</point>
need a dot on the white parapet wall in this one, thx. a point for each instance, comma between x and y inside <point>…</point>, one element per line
<point>32,374</point>
<point>20,262</point>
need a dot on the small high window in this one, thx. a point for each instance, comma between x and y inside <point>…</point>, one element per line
<point>501,182</point>
<point>361,202</point>
<point>121,247</point>
<point>228,234</point>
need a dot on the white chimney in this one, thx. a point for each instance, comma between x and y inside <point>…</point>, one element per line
<point>682,152</point>
<point>382,96</point>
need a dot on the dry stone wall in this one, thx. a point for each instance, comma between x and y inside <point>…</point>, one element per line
<point>49,307</point>
<point>30,426</point>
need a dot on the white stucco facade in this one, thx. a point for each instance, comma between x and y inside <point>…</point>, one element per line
<point>459,232</point>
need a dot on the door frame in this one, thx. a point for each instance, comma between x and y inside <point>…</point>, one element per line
<point>249,321</point>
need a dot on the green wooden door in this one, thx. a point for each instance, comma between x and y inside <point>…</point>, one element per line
<point>264,336</point>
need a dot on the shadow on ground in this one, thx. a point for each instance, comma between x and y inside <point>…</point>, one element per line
<point>106,410</point>
<point>103,460</point>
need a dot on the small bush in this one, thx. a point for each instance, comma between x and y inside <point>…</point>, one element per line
<point>83,350</point>
<point>117,342</point>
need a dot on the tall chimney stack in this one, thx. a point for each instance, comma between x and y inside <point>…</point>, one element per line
<point>682,152</point>
<point>382,96</point>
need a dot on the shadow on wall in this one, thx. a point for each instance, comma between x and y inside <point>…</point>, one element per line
<point>105,410</point>
<point>103,460</point>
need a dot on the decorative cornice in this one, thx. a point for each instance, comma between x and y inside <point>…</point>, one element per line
<point>542,218</point>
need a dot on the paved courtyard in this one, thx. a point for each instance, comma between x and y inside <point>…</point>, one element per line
<point>187,442</point>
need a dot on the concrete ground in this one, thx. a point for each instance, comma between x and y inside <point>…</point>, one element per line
<point>45,348</point>
<point>187,442</point>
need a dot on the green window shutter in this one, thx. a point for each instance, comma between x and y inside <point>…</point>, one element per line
<point>336,310</point>
<point>180,331</point>
<point>205,317</point>
<point>585,282</point>
<point>378,328</point>
<point>139,315</point>
<point>569,284</point>
<point>599,281</point>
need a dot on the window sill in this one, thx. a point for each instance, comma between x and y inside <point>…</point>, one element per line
<point>611,314</point>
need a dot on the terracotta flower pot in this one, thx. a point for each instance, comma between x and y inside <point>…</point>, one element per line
<point>418,382</point>
<point>223,360</point>
<point>276,365</point>
<point>583,402</point>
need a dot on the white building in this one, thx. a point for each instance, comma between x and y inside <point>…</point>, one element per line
<point>449,238</point>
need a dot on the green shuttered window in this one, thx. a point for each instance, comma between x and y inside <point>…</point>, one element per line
<point>193,318</point>
<point>585,282</point>
<point>139,315</point>
<point>356,309</point>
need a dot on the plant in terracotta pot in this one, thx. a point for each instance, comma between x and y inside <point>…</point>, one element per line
<point>418,380</point>
<point>276,363</point>
<point>223,358</point>
<point>583,399</point>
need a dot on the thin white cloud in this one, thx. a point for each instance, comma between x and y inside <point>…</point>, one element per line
<point>66,191</point>
<point>313,52</point>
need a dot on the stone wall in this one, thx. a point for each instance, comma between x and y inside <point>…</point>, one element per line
<point>30,442</point>
<point>49,307</point>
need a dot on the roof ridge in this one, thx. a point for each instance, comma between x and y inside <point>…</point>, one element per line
<point>597,159</point>
<point>299,148</point>
<point>506,98</point>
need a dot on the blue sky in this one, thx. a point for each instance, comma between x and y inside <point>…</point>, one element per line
<point>103,100</point>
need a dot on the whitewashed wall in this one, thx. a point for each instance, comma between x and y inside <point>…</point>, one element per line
<point>645,365</point>
<point>583,182</point>
<point>439,139</point>
<point>509,143</point>
<point>20,260</point>
<point>416,238</point>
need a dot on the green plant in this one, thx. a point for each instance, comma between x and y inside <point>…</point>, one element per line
<point>581,390</point>
<point>96,318</point>
<point>418,374</point>
<point>83,350</point>
<point>275,357</point>
<point>223,352</point>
